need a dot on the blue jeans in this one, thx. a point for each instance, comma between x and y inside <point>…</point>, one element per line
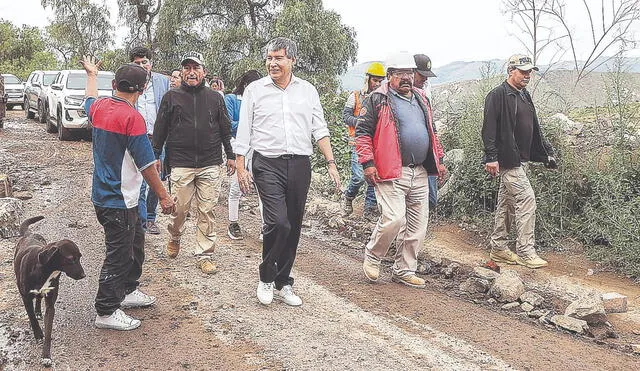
<point>148,200</point>
<point>433,191</point>
<point>357,180</point>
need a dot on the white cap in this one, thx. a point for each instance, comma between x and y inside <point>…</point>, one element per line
<point>401,60</point>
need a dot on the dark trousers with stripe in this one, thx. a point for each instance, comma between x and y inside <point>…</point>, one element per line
<point>283,184</point>
<point>122,267</point>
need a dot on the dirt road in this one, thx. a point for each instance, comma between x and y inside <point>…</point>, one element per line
<point>215,322</point>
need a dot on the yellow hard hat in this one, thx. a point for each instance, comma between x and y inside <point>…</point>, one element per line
<point>376,69</point>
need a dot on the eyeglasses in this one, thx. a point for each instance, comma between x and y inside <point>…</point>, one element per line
<point>402,74</point>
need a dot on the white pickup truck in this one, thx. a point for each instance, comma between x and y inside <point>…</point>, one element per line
<point>64,111</point>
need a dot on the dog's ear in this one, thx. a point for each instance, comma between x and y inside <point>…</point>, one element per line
<point>68,249</point>
<point>47,253</point>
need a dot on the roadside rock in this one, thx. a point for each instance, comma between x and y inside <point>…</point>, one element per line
<point>6,189</point>
<point>23,195</point>
<point>425,267</point>
<point>531,298</point>
<point>526,307</point>
<point>569,323</point>
<point>509,306</point>
<point>508,287</point>
<point>10,211</point>
<point>450,270</point>
<point>569,126</point>
<point>485,273</point>
<point>589,309</point>
<point>614,302</point>
<point>537,313</point>
<point>475,285</point>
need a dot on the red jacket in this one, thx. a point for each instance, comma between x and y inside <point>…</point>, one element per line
<point>377,134</point>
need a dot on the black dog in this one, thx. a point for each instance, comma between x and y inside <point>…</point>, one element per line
<point>38,266</point>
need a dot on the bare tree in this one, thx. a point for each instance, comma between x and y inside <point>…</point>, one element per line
<point>609,23</point>
<point>141,18</point>
<point>536,32</point>
<point>79,27</point>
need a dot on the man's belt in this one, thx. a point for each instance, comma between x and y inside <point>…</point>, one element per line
<point>289,156</point>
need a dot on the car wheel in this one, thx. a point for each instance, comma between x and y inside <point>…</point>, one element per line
<point>27,112</point>
<point>63,133</point>
<point>41,116</point>
<point>9,107</point>
<point>51,128</point>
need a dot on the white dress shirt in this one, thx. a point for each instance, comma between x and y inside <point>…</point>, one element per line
<point>275,121</point>
<point>146,105</point>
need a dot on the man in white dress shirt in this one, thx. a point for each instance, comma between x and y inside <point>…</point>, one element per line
<point>280,114</point>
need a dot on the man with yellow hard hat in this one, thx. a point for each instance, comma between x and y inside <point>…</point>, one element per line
<point>375,74</point>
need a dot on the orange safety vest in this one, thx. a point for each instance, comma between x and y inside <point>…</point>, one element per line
<point>356,112</point>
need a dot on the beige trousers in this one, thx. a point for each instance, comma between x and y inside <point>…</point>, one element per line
<point>404,213</point>
<point>516,203</point>
<point>203,183</point>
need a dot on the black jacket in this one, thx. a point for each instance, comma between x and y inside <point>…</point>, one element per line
<point>498,130</point>
<point>193,122</point>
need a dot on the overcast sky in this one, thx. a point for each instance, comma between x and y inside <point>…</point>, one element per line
<point>446,30</point>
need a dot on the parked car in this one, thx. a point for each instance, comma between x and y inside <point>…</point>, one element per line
<point>35,93</point>
<point>14,90</point>
<point>64,111</point>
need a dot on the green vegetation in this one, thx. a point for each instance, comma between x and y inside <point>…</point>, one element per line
<point>22,50</point>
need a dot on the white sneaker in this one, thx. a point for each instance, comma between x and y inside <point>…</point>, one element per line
<point>265,292</point>
<point>118,320</point>
<point>287,296</point>
<point>137,299</point>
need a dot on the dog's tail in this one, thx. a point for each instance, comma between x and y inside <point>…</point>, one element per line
<point>24,227</point>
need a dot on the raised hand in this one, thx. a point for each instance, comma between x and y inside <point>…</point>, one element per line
<point>90,64</point>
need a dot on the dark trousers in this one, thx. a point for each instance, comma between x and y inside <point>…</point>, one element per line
<point>122,267</point>
<point>283,185</point>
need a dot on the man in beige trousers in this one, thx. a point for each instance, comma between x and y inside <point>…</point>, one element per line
<point>194,124</point>
<point>512,138</point>
<point>398,150</point>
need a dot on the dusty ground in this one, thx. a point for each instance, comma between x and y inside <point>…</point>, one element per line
<point>215,322</point>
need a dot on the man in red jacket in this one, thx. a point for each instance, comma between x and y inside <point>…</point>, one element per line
<point>398,149</point>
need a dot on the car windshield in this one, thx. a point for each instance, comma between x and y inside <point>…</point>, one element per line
<point>11,80</point>
<point>48,78</point>
<point>79,81</point>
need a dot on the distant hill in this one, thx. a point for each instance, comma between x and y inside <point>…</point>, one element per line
<point>353,79</point>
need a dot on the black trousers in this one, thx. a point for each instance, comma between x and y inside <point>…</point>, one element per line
<point>283,185</point>
<point>122,267</point>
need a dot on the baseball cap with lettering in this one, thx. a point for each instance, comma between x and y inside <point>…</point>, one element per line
<point>192,56</point>
<point>521,62</point>
<point>423,64</point>
<point>131,78</point>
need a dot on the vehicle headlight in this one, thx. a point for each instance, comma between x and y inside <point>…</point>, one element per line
<point>82,113</point>
<point>73,101</point>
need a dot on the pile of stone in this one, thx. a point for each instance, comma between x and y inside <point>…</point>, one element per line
<point>10,207</point>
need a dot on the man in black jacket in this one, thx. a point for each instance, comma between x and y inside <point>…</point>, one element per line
<point>512,137</point>
<point>193,123</point>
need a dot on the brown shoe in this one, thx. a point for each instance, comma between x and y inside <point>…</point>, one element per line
<point>504,256</point>
<point>371,270</point>
<point>410,280</point>
<point>532,261</point>
<point>207,266</point>
<point>173,248</point>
